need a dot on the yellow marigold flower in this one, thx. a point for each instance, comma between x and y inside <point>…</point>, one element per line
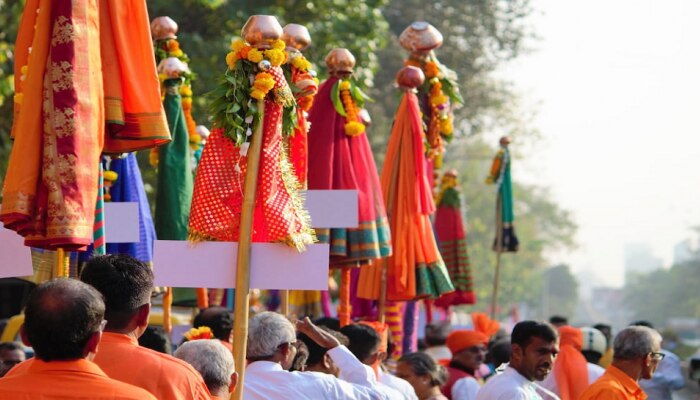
<point>301,63</point>
<point>446,126</point>
<point>354,128</point>
<point>186,91</point>
<point>264,85</point>
<point>279,44</point>
<point>231,59</point>
<point>24,69</point>
<point>257,94</point>
<point>110,176</point>
<point>186,102</point>
<point>195,140</point>
<point>437,100</point>
<point>344,85</point>
<point>18,98</point>
<point>237,45</point>
<point>276,57</point>
<point>177,53</point>
<point>255,55</point>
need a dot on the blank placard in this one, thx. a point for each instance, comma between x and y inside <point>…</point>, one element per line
<point>15,257</point>
<point>213,265</point>
<point>332,208</point>
<point>122,222</point>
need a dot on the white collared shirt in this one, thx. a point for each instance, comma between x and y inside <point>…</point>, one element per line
<point>267,380</point>
<point>400,385</point>
<point>510,385</point>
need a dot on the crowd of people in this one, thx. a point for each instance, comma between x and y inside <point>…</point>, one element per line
<point>87,337</point>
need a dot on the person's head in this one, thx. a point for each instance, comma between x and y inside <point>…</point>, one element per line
<point>637,351</point>
<point>63,320</point>
<point>607,332</point>
<point>329,322</point>
<point>468,348</point>
<point>558,320</point>
<point>534,346</point>
<point>11,354</point>
<point>126,284</point>
<point>422,372</point>
<point>213,361</point>
<point>505,141</point>
<point>319,360</point>
<point>436,333</point>
<point>271,337</point>
<point>155,338</point>
<point>499,352</point>
<point>218,319</point>
<point>364,342</point>
<point>594,344</point>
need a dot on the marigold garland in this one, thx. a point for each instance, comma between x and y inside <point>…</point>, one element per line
<point>244,79</point>
<point>203,332</point>
<point>353,127</point>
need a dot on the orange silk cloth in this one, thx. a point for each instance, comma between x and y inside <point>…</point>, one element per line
<point>409,204</point>
<point>166,377</point>
<point>298,144</point>
<point>570,367</point>
<point>36,379</point>
<point>217,200</point>
<point>51,183</point>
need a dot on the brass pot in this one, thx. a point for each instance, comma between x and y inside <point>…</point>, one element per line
<point>420,37</point>
<point>163,28</point>
<point>261,30</point>
<point>296,36</point>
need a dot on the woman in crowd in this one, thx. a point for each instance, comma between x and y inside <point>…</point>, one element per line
<point>424,374</point>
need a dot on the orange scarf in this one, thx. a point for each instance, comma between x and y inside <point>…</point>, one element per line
<point>570,367</point>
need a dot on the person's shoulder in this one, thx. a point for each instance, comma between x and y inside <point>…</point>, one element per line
<point>166,361</point>
<point>600,390</point>
<point>125,391</point>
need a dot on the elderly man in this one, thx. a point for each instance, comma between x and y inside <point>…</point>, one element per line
<point>214,361</point>
<point>11,354</point>
<point>468,348</point>
<point>534,346</point>
<point>63,323</point>
<point>636,355</point>
<point>271,350</point>
<point>668,376</point>
<point>126,284</point>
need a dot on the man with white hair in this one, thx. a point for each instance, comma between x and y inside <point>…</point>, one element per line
<point>636,355</point>
<point>271,349</point>
<point>214,362</point>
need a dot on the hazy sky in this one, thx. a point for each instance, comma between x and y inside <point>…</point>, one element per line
<point>617,86</point>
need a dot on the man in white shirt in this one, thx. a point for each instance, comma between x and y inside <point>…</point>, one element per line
<point>534,347</point>
<point>271,350</point>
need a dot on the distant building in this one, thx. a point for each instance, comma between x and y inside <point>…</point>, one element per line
<point>639,259</point>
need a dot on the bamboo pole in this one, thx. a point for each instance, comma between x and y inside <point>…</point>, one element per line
<point>499,251</point>
<point>344,308</point>
<point>61,270</point>
<point>284,302</point>
<point>167,310</point>
<point>242,302</point>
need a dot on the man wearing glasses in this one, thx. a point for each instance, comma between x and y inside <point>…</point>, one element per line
<point>637,352</point>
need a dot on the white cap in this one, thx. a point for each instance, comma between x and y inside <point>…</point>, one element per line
<point>593,340</point>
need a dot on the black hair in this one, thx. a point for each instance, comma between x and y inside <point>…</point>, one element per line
<point>218,319</point>
<point>125,282</point>
<point>558,320</point>
<point>436,333</point>
<point>591,356</point>
<point>525,330</point>
<point>10,346</point>
<point>155,338</point>
<point>60,317</point>
<point>317,352</point>
<point>499,352</point>
<point>422,364</point>
<point>329,322</point>
<point>364,340</point>
<point>642,323</point>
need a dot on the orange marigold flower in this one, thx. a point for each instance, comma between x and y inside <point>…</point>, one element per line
<point>431,69</point>
<point>173,45</point>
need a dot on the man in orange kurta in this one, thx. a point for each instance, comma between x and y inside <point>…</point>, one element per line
<point>126,285</point>
<point>636,355</point>
<point>63,322</point>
